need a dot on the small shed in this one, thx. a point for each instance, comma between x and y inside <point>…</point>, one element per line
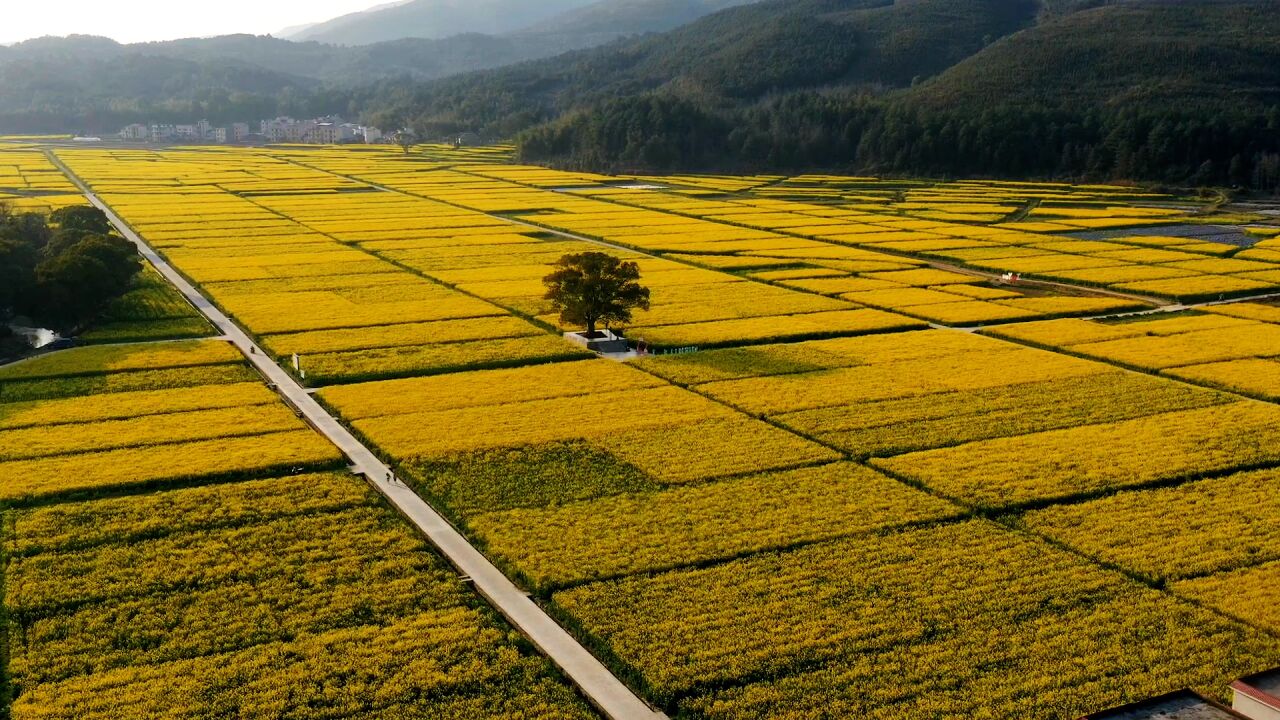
<point>1180,705</point>
<point>1258,696</point>
<point>605,342</point>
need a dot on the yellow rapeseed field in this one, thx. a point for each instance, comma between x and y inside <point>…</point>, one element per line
<point>632,533</point>
<point>930,602</point>
<point>781,520</point>
<point>1192,530</point>
<point>1048,466</point>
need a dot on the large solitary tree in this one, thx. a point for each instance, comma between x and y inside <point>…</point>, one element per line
<point>594,287</point>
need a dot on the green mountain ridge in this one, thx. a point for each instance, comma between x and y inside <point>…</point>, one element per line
<point>93,84</point>
<point>956,52</point>
<point>434,20</point>
<point>1183,51</point>
<point>612,19</point>
<point>1181,91</point>
<point>738,56</point>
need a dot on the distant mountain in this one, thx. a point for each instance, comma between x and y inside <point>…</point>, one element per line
<point>1183,91</point>
<point>293,30</point>
<point>80,87</point>
<point>96,85</point>
<point>742,54</point>
<point>1174,90</point>
<point>611,19</point>
<point>435,19</point>
<point>360,65</point>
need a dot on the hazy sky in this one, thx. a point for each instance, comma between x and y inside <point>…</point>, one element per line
<point>141,20</point>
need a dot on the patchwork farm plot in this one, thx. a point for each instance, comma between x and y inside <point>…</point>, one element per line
<point>1234,347</point>
<point>29,182</point>
<point>830,509</point>
<point>673,227</point>
<point>1045,244</point>
<point>177,540</point>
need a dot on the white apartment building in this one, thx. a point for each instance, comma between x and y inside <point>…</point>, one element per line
<point>330,133</point>
<point>285,129</point>
<point>136,131</point>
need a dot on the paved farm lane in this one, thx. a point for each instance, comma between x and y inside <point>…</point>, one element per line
<point>604,690</point>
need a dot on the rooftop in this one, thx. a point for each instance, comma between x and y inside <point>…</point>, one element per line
<point>1268,682</point>
<point>1181,705</point>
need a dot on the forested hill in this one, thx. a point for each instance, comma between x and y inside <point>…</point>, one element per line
<point>1169,90</point>
<point>1173,53</point>
<point>610,19</point>
<point>93,84</point>
<point>588,22</point>
<point>434,19</point>
<point>739,55</point>
<point>1184,91</point>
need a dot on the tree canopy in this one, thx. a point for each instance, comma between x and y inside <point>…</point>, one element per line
<point>593,287</point>
<point>406,139</point>
<point>62,276</point>
<point>82,217</point>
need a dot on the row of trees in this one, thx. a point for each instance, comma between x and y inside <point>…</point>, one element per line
<point>63,270</point>
<point>861,134</point>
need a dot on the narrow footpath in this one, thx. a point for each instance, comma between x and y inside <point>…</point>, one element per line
<point>600,686</point>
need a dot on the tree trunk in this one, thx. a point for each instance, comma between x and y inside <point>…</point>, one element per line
<point>591,327</point>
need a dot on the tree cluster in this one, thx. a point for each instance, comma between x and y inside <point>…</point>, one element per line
<point>858,134</point>
<point>62,271</point>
